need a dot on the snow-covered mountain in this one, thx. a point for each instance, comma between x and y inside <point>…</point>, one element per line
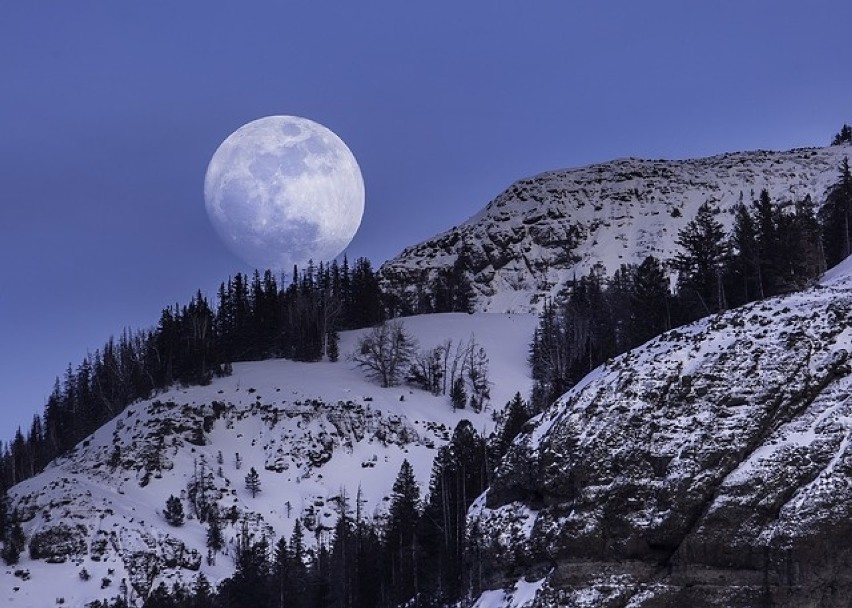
<point>708,468</point>
<point>545,230</point>
<point>315,432</point>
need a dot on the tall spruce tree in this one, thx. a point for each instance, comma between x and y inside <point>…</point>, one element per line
<point>459,475</point>
<point>701,263</point>
<point>253,482</point>
<point>745,271</point>
<point>400,545</point>
<point>650,313</point>
<point>836,218</point>
<point>843,137</point>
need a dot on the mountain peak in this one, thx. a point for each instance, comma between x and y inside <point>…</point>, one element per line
<point>543,231</point>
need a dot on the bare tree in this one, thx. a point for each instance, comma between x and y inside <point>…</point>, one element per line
<point>385,352</point>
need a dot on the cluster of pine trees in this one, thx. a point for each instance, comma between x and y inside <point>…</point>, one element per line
<point>449,290</point>
<point>254,319</point>
<point>772,250</point>
<point>419,554</point>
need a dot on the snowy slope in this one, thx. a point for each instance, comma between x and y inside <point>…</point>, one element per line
<point>314,432</point>
<point>544,230</point>
<point>709,467</point>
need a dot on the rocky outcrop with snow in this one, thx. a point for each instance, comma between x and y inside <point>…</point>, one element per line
<point>544,230</point>
<point>322,437</point>
<point>710,467</point>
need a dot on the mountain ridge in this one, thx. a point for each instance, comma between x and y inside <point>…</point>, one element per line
<point>541,232</point>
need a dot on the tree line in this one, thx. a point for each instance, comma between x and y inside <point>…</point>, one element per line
<point>771,250</point>
<point>254,318</point>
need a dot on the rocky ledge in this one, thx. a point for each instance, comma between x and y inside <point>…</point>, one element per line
<point>711,467</point>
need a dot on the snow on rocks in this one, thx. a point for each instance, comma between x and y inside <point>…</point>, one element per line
<point>320,435</point>
<point>545,230</point>
<point>709,467</point>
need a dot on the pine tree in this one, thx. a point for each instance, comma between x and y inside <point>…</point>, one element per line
<point>253,482</point>
<point>297,555</point>
<point>459,476</point>
<point>515,416</point>
<point>400,541</point>
<point>458,395</point>
<point>836,218</point>
<point>202,593</point>
<point>744,274</point>
<point>649,306</point>
<point>365,308</point>
<point>768,245</point>
<point>174,511</point>
<point>283,575</point>
<point>250,587</point>
<point>215,539</point>
<point>701,263</point>
<point>333,345</point>
<point>14,542</point>
<point>843,137</point>
<point>805,249</point>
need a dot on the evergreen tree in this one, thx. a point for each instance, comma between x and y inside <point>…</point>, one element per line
<point>4,506</point>
<point>650,303</point>
<point>250,587</point>
<point>458,395</point>
<point>203,595</point>
<point>215,538</point>
<point>843,137</point>
<point>333,345</point>
<point>174,511</point>
<point>701,263</point>
<point>804,245</point>
<point>400,542</point>
<point>298,567</point>
<point>14,540</point>
<point>365,308</point>
<point>836,218</point>
<point>459,476</point>
<point>283,575</point>
<point>745,278</point>
<point>253,482</point>
<point>766,220</point>
<point>515,416</point>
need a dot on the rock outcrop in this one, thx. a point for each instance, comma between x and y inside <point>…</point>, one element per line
<point>543,231</point>
<point>711,467</point>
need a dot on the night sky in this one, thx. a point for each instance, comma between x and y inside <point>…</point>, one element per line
<point>110,112</point>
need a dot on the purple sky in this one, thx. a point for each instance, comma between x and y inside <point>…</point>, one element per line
<point>110,111</point>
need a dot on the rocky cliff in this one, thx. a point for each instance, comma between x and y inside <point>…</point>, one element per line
<point>544,230</point>
<point>711,467</point>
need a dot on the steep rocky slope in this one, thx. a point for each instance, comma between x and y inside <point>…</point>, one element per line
<point>544,230</point>
<point>710,467</point>
<point>317,433</point>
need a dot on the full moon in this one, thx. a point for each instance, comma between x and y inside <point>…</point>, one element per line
<point>282,190</point>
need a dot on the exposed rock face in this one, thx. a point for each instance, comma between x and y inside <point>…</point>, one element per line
<point>544,230</point>
<point>57,543</point>
<point>322,437</point>
<point>709,468</point>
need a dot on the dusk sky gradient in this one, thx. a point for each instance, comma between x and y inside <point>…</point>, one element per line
<point>110,112</point>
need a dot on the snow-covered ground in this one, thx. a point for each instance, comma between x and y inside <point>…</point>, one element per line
<point>314,432</point>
